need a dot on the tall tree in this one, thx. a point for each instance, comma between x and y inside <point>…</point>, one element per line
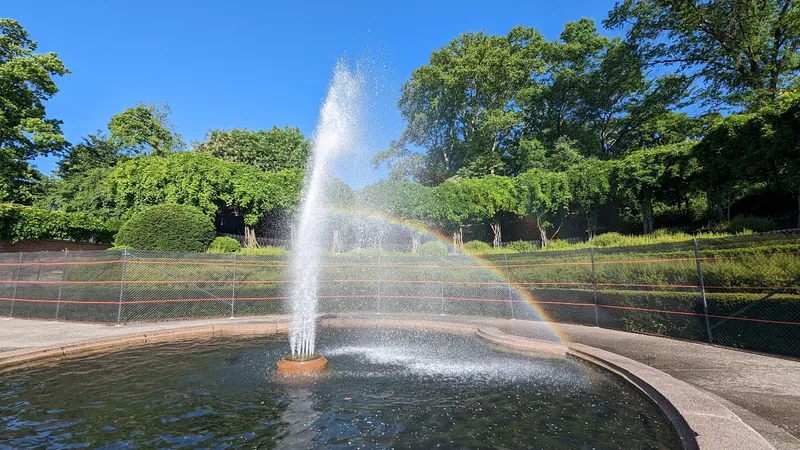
<point>594,91</point>
<point>271,150</point>
<point>145,129</point>
<point>459,106</point>
<point>26,83</point>
<point>742,52</point>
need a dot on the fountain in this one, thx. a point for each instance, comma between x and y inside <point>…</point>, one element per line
<point>335,134</point>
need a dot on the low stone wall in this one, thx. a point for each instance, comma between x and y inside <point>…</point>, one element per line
<point>49,245</point>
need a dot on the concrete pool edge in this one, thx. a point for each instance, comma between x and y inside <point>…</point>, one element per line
<point>691,411</point>
<point>700,420</point>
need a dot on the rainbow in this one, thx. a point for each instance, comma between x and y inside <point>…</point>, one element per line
<point>527,297</point>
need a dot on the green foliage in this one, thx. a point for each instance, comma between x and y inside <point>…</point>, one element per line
<point>742,52</point>
<point>464,201</point>
<point>543,196</point>
<point>522,247</point>
<point>168,227</point>
<point>224,244</point>
<point>271,151</point>
<point>96,151</point>
<point>612,239</point>
<point>741,224</point>
<point>590,189</point>
<point>433,248</point>
<point>263,251</point>
<point>145,129</point>
<point>661,173</point>
<point>26,83</point>
<point>21,223</point>
<point>399,198</point>
<point>477,247</point>
<point>458,106</point>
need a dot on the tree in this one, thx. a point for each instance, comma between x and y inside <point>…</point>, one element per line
<point>459,106</point>
<point>459,202</point>
<point>761,147</point>
<point>26,83</point>
<point>590,189</point>
<point>595,91</point>
<point>95,151</point>
<point>741,52</point>
<point>543,196</point>
<point>145,129</point>
<point>272,151</point>
<point>661,173</point>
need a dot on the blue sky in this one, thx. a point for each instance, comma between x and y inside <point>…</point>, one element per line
<point>254,64</point>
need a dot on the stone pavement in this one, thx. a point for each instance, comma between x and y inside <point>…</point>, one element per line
<point>763,391</point>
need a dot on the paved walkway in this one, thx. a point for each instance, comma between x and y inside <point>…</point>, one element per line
<point>764,391</point>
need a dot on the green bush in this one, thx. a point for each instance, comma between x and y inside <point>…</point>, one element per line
<point>559,244</point>
<point>433,248</point>
<point>521,247</point>
<point>263,251</point>
<point>740,224</point>
<point>22,223</point>
<point>224,244</point>
<point>477,247</point>
<point>170,227</point>
<point>607,239</point>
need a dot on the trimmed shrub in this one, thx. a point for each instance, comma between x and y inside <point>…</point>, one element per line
<point>433,248</point>
<point>22,223</point>
<point>170,227</point>
<point>223,244</point>
<point>477,247</point>
<point>740,224</point>
<point>521,247</point>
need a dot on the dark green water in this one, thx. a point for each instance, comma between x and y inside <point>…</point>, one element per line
<point>383,390</point>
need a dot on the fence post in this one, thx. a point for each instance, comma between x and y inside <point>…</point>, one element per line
<point>594,287</point>
<point>122,285</point>
<point>508,285</point>
<point>699,265</point>
<point>441,284</point>
<point>61,284</point>
<point>233,285</point>
<point>16,283</point>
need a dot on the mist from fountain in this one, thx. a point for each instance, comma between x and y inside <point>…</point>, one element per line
<point>335,135</point>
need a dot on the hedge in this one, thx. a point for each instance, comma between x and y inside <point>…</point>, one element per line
<point>22,223</point>
<point>169,227</point>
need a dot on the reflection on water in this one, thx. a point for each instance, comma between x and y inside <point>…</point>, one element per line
<point>383,390</point>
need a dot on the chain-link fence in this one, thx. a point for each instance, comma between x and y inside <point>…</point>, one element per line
<point>741,291</point>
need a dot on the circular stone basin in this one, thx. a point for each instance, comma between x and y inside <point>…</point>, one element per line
<point>383,389</point>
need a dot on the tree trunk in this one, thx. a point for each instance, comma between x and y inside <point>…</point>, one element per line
<point>498,238</point>
<point>647,216</point>
<point>589,229</point>
<point>336,245</point>
<point>250,237</point>
<point>414,243</point>
<point>542,235</point>
<point>458,239</point>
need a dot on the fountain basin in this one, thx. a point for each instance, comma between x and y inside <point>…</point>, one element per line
<point>314,363</point>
